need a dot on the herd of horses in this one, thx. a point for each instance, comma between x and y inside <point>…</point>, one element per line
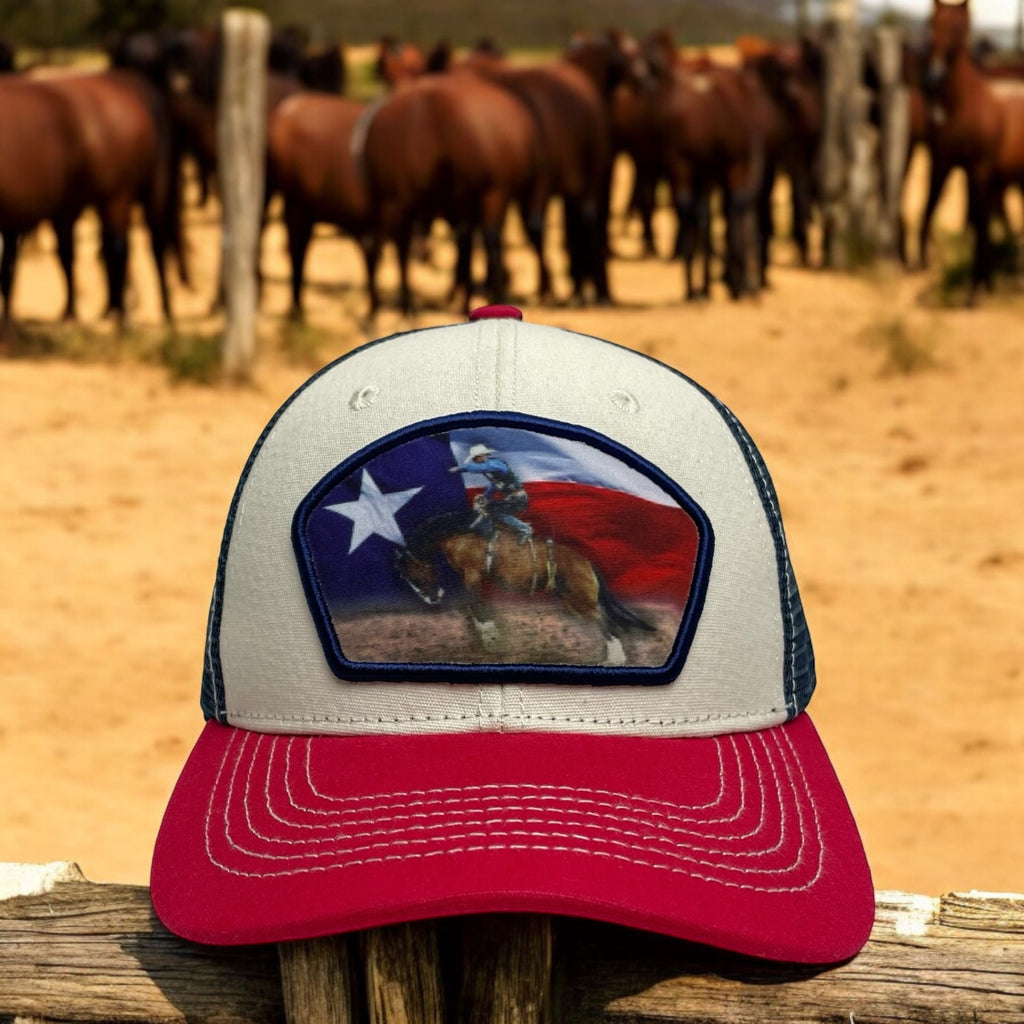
<point>466,138</point>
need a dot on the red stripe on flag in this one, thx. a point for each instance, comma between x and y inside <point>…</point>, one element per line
<point>643,550</point>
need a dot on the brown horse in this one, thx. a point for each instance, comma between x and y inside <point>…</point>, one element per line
<point>982,126</point>
<point>710,137</point>
<point>311,163</point>
<point>450,146</point>
<point>320,68</point>
<point>397,62</point>
<point>570,100</point>
<point>633,118</point>
<point>130,157</point>
<point>788,80</point>
<point>533,568</point>
<point>187,64</point>
<point>44,159</point>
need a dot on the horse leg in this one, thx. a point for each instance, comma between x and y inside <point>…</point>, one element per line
<point>572,216</point>
<point>497,275</point>
<point>705,248</point>
<point>462,277</point>
<point>644,196</point>
<point>686,239</point>
<point>597,215</point>
<point>938,172</point>
<point>583,598</point>
<point>596,249</point>
<point>744,247</point>
<point>478,612</point>
<point>615,653</point>
<point>64,229</point>
<point>901,223</point>
<point>493,211</point>
<point>370,250</point>
<point>8,257</point>
<point>533,223</point>
<point>766,221</point>
<point>158,244</point>
<point>403,243</point>
<point>486,628</point>
<point>801,204</point>
<point>979,206</point>
<point>115,257</point>
<point>741,243</point>
<point>372,243</point>
<point>300,230</point>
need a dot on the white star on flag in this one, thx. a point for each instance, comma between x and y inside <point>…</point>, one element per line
<point>374,512</point>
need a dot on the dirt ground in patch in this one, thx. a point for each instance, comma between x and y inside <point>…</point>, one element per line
<point>892,427</point>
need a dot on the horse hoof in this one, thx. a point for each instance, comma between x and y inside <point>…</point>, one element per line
<point>616,654</point>
<point>488,633</point>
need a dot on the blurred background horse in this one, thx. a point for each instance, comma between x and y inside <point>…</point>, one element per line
<point>43,164</point>
<point>452,146</point>
<point>980,124</point>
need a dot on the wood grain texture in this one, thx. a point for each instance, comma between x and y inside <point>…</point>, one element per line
<point>318,980</point>
<point>506,969</point>
<point>402,970</point>
<point>89,952</point>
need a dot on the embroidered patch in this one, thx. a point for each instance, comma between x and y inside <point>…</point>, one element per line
<point>510,545</point>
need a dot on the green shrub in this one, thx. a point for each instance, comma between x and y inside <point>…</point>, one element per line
<point>191,357</point>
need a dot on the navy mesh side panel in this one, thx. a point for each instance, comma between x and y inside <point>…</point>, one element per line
<point>800,682</point>
<point>211,694</point>
<point>798,654</point>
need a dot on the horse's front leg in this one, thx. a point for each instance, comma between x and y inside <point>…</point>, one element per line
<point>615,652</point>
<point>486,630</point>
<point>9,241</point>
<point>979,212</point>
<point>482,619</point>
<point>479,613</point>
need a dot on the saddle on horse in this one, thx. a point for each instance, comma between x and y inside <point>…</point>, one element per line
<point>550,566</point>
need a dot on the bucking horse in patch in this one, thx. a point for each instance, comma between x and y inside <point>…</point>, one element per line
<point>534,568</point>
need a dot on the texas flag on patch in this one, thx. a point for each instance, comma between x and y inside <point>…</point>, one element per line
<point>551,531</point>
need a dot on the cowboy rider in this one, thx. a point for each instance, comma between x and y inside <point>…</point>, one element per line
<point>501,498</point>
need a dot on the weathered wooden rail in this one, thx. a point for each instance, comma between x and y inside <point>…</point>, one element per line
<point>73,950</point>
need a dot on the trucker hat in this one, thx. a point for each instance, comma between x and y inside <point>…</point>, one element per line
<point>504,620</point>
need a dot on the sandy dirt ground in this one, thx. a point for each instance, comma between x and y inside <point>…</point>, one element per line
<point>892,427</point>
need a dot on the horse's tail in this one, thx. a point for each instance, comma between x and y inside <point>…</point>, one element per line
<point>616,612</point>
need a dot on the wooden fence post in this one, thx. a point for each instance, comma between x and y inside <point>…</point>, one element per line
<point>403,974</point>
<point>76,951</point>
<point>241,143</point>
<point>506,969</point>
<point>894,143</point>
<point>317,981</point>
<point>849,168</point>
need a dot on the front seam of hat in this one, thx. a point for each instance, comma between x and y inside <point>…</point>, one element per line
<point>711,716</point>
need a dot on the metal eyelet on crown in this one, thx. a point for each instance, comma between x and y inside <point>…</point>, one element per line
<point>364,397</point>
<point>625,402</point>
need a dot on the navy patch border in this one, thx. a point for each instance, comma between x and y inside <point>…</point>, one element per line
<point>603,675</point>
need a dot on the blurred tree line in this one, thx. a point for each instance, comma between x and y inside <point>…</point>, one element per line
<point>511,23</point>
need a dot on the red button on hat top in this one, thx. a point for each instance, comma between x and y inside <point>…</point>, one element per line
<point>496,313</point>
